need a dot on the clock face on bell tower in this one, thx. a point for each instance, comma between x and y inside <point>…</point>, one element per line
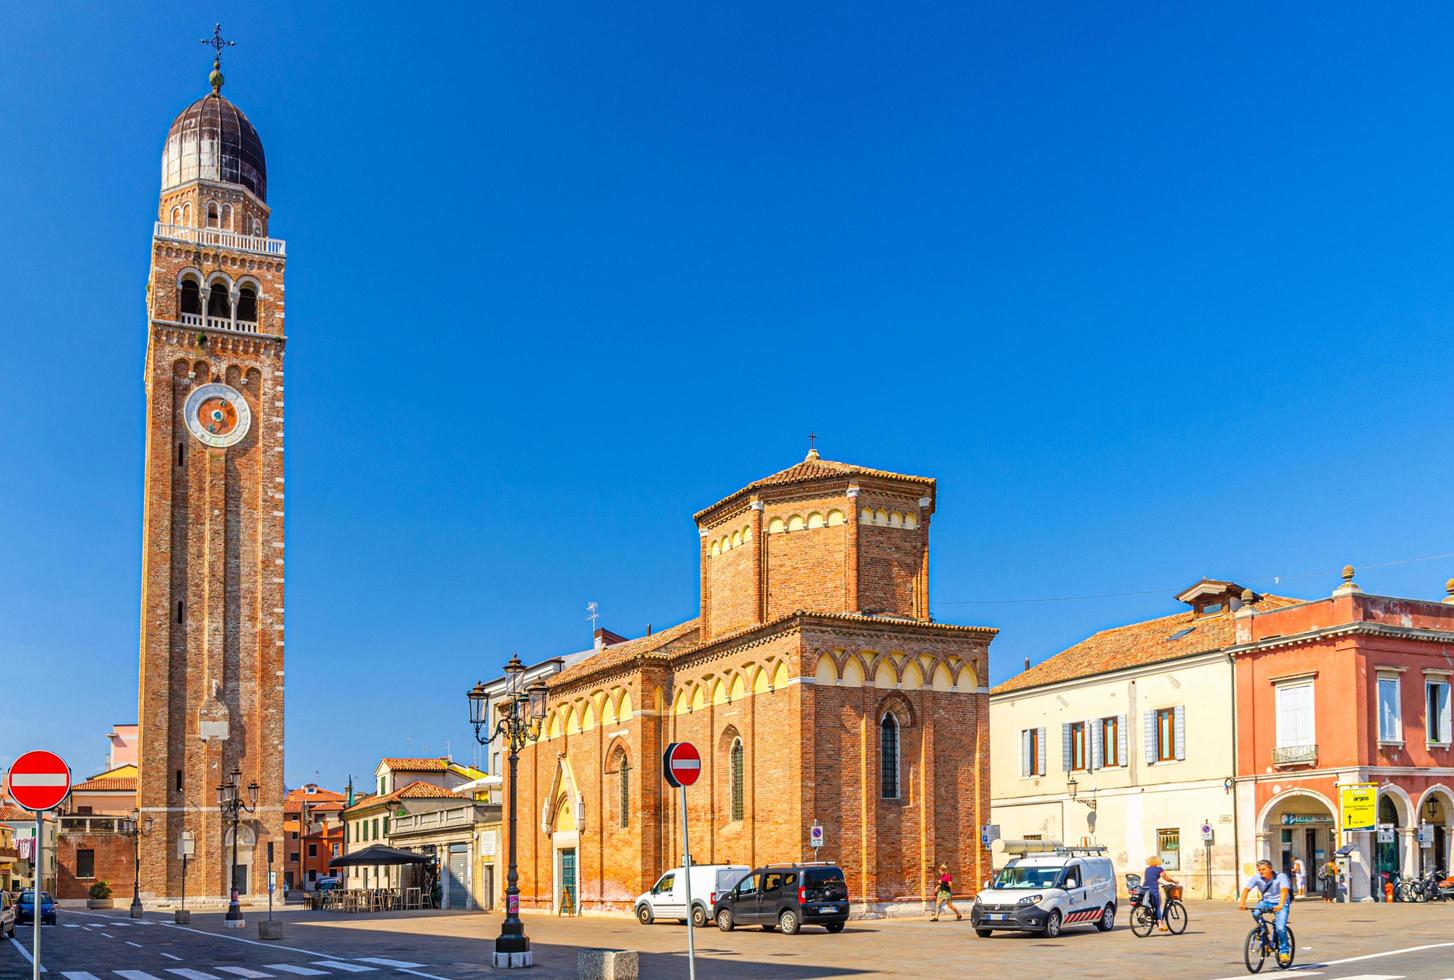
<point>217,415</point>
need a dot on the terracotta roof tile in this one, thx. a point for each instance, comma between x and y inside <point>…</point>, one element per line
<point>816,468</point>
<point>684,638</point>
<point>623,653</point>
<point>106,784</point>
<point>319,795</point>
<point>418,765</point>
<point>1182,634</point>
<point>8,812</point>
<point>416,790</point>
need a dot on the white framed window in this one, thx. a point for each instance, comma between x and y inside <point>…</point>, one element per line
<point>1295,720</point>
<point>1436,697</point>
<point>1390,713</point>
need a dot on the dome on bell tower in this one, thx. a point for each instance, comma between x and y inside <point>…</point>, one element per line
<point>212,140</point>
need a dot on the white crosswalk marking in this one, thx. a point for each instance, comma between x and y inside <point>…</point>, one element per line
<point>190,974</point>
<point>72,925</point>
<point>78,975</point>
<point>244,972</point>
<point>169,956</point>
<point>302,971</point>
<point>398,964</point>
<point>1374,976</point>
<point>135,975</point>
<point>340,965</point>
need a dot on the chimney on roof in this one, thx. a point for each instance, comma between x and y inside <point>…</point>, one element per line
<point>1027,663</point>
<point>648,629</point>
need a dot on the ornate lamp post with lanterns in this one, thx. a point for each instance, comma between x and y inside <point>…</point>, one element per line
<point>522,717</point>
<point>136,828</point>
<point>229,801</point>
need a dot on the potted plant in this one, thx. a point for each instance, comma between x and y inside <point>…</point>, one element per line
<point>99,897</point>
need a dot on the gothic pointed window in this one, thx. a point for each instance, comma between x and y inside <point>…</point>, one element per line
<point>888,757</point>
<point>738,806</point>
<point>625,800</point>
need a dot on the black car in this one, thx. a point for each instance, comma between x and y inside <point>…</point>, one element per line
<point>786,897</point>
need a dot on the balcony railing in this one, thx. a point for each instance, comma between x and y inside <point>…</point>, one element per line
<point>219,323</point>
<point>1295,755</point>
<point>87,824</point>
<point>222,239</point>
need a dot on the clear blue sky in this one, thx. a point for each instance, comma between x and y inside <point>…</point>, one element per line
<point>1154,293</point>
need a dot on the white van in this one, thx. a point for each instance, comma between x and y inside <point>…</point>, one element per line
<point>668,897</point>
<point>1045,892</point>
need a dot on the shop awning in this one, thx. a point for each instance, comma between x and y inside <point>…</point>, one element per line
<point>378,854</point>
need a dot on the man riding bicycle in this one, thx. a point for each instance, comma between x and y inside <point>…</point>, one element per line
<point>1263,884</point>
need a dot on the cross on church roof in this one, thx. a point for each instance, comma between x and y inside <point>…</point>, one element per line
<point>217,43</point>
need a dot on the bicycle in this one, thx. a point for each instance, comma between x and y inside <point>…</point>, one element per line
<point>1262,943</point>
<point>1142,918</point>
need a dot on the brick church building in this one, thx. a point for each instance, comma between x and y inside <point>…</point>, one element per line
<point>211,691</point>
<point>815,686</point>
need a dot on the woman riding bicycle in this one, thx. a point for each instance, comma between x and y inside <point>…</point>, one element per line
<point>1151,881</point>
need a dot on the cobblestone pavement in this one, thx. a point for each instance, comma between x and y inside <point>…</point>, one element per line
<point>1368,942</point>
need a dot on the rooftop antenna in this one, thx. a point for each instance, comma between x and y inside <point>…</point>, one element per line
<point>594,613</point>
<point>449,753</point>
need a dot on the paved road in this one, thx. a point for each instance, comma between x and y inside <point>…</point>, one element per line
<point>1366,942</point>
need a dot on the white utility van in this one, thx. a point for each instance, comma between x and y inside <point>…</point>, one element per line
<point>1047,888</point>
<point>668,897</point>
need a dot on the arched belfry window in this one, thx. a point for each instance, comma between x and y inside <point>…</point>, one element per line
<point>247,304</point>
<point>738,806</point>
<point>219,305</point>
<point>214,217</point>
<point>191,297</point>
<point>227,216</point>
<point>888,756</point>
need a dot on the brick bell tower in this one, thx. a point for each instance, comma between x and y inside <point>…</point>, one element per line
<point>211,698</point>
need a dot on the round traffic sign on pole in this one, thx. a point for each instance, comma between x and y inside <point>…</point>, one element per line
<point>39,781</point>
<point>681,763</point>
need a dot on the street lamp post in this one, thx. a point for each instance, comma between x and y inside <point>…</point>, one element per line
<point>136,828</point>
<point>229,801</point>
<point>521,721</point>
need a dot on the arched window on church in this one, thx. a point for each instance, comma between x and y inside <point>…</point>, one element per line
<point>214,217</point>
<point>219,306</point>
<point>888,756</point>
<point>191,298</point>
<point>227,216</point>
<point>622,767</point>
<point>738,806</point>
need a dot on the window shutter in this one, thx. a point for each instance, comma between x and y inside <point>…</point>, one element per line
<point>1180,735</point>
<point>1095,733</point>
<point>1444,713</point>
<point>1040,762</point>
<point>1151,738</point>
<point>1026,763</point>
<point>1121,756</point>
<point>1065,745</point>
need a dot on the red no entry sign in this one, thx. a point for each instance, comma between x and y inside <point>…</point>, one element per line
<point>681,763</point>
<point>39,781</point>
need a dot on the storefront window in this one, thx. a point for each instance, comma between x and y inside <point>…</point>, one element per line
<point>1168,848</point>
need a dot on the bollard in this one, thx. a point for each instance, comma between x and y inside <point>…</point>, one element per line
<point>268,929</point>
<point>182,917</point>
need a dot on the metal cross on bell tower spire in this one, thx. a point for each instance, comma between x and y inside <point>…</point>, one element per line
<point>216,42</point>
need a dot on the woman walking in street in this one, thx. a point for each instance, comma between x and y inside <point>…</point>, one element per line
<point>944,894</point>
<point>1300,877</point>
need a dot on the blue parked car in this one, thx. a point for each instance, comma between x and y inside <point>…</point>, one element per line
<point>25,909</point>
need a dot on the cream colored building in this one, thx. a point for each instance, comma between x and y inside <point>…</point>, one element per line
<point>1126,740</point>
